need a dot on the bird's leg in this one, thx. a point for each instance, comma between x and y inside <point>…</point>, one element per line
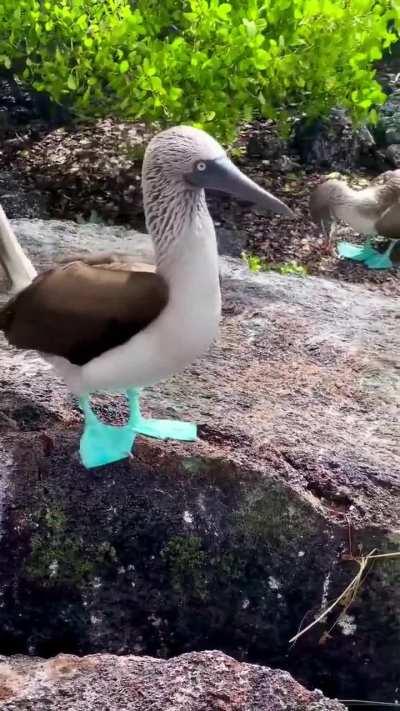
<point>331,236</point>
<point>100,443</point>
<point>328,228</point>
<point>159,429</point>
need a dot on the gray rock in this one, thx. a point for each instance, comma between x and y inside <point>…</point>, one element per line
<point>9,182</point>
<point>285,164</point>
<point>29,204</point>
<point>231,242</point>
<point>21,106</point>
<point>386,131</point>
<point>4,121</point>
<point>234,541</point>
<point>264,144</point>
<point>364,140</point>
<point>392,135</point>
<point>19,202</point>
<point>325,142</point>
<point>203,681</point>
<point>333,143</point>
<point>393,155</point>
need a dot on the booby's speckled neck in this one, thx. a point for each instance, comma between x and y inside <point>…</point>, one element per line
<point>178,220</point>
<point>170,208</point>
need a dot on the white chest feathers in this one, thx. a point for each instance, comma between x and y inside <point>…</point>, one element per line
<point>181,333</point>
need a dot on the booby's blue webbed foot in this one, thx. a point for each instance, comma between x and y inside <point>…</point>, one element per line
<point>100,443</point>
<point>103,444</point>
<point>158,429</point>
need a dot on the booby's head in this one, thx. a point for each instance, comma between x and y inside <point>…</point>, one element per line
<point>191,158</point>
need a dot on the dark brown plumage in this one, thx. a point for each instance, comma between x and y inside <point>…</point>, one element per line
<point>80,311</point>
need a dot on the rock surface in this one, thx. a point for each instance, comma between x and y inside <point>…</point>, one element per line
<point>333,143</point>
<point>232,542</point>
<point>393,153</point>
<point>17,202</point>
<point>20,106</point>
<point>207,681</point>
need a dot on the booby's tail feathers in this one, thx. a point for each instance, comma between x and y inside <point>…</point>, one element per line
<point>17,265</point>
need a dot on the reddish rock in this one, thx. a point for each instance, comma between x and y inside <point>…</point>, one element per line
<point>204,681</point>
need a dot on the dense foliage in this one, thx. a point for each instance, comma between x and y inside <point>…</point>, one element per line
<point>210,62</point>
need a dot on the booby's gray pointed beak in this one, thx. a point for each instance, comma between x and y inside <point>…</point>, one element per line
<point>221,174</point>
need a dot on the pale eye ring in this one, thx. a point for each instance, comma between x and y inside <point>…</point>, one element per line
<point>201,166</point>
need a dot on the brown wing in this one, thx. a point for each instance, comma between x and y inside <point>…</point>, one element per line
<point>389,224</point>
<point>81,311</point>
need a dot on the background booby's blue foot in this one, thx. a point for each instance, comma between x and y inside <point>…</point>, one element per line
<point>159,429</point>
<point>366,254</point>
<point>355,252</point>
<point>100,443</point>
<point>380,260</point>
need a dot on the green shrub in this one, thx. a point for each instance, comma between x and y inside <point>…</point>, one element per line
<point>207,62</point>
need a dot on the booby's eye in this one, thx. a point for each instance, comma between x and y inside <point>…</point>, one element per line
<point>201,166</point>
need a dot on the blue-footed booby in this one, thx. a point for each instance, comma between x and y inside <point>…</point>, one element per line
<point>116,330</point>
<point>373,211</point>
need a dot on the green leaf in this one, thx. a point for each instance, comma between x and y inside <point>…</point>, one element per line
<point>148,69</point>
<point>375,53</point>
<point>223,10</point>
<point>156,83</point>
<point>261,59</point>
<point>373,117</point>
<point>124,66</point>
<point>175,93</point>
<point>250,26</point>
<point>71,83</point>
<point>312,7</point>
<point>82,21</point>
